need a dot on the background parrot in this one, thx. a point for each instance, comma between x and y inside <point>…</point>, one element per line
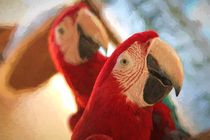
<point>139,73</point>
<point>74,40</point>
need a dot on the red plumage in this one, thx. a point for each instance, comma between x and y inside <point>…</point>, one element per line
<point>81,78</point>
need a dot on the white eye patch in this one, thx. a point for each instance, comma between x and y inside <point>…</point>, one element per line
<point>67,39</point>
<point>131,73</point>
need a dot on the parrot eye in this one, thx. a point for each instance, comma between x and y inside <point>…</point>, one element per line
<point>124,62</point>
<point>61,30</point>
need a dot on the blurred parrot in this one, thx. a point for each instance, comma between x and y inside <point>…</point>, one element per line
<point>74,40</point>
<point>129,88</point>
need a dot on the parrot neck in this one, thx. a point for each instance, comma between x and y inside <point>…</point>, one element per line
<point>123,119</point>
<point>81,78</point>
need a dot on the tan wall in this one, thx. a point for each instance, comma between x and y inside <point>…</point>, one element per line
<point>40,114</point>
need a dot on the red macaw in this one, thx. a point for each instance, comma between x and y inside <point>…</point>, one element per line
<point>74,40</point>
<point>140,72</point>
<point>73,43</point>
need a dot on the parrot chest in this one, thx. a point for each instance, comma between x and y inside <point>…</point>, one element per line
<point>121,121</point>
<point>136,126</point>
<point>81,78</point>
<point>111,115</point>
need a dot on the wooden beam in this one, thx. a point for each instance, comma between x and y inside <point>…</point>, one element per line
<point>114,38</point>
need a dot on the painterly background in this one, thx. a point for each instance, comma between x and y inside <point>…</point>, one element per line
<point>185,24</point>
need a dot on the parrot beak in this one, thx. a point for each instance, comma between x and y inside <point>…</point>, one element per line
<point>165,71</point>
<point>92,33</point>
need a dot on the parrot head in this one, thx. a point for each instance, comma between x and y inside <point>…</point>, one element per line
<point>77,34</point>
<point>145,69</point>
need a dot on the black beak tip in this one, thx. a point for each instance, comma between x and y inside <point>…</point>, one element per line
<point>177,90</point>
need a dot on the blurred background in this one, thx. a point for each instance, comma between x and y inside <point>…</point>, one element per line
<point>185,24</point>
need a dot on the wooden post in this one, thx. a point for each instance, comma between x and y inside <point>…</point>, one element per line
<point>112,35</point>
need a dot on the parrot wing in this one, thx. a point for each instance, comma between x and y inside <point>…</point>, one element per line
<point>162,121</point>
